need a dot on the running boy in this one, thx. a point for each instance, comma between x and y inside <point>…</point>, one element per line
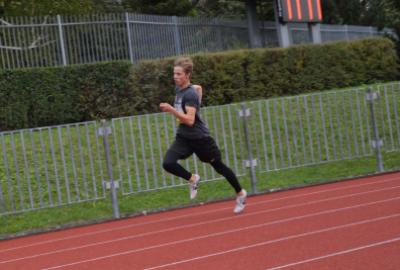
<point>193,136</point>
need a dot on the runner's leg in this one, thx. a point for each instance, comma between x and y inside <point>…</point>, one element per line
<point>225,171</point>
<point>171,165</point>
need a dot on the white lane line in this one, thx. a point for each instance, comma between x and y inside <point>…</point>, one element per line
<point>222,233</point>
<point>271,241</point>
<point>213,221</point>
<point>337,253</point>
<point>75,236</point>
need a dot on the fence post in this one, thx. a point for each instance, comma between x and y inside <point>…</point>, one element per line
<point>346,32</point>
<point>111,184</point>
<point>253,24</point>
<point>62,46</point>
<point>371,31</point>
<point>178,48</point>
<point>219,26</point>
<point>315,32</point>
<point>376,142</point>
<point>282,29</point>
<point>128,29</point>
<point>250,162</point>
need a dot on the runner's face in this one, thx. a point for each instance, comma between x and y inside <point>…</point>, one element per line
<point>180,77</point>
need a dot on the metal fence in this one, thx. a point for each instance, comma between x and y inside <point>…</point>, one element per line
<point>300,33</point>
<point>69,164</point>
<point>65,40</point>
<point>51,166</point>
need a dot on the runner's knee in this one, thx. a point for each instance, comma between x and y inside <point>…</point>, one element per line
<point>218,165</point>
<point>169,165</point>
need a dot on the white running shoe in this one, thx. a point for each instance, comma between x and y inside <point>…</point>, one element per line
<point>240,202</point>
<point>193,186</point>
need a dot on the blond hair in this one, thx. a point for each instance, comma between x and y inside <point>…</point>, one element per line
<point>186,64</point>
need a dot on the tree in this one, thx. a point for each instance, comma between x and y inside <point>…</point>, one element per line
<point>45,7</point>
<point>221,8</point>
<point>379,13</point>
<point>108,6</point>
<point>161,7</point>
<point>342,11</point>
<point>392,19</point>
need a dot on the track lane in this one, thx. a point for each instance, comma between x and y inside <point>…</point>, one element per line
<point>110,230</point>
<point>222,240</point>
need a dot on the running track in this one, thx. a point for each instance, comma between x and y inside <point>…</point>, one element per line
<point>345,225</point>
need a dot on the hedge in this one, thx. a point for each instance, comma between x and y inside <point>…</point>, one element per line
<point>50,96</point>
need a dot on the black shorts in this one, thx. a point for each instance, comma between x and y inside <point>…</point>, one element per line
<point>205,148</point>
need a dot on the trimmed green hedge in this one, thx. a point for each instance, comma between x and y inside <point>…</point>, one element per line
<point>50,96</point>
<point>252,74</point>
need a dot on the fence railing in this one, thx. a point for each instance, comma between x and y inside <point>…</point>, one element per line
<point>69,164</point>
<point>65,40</point>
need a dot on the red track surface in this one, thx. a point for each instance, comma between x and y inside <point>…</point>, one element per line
<point>346,225</point>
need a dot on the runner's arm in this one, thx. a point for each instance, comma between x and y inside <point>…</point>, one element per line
<point>187,118</point>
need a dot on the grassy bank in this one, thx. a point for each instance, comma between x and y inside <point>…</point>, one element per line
<point>92,212</point>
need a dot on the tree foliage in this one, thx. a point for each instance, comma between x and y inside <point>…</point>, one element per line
<point>359,12</point>
<point>79,7</point>
<point>45,7</point>
<point>161,7</point>
<point>221,8</point>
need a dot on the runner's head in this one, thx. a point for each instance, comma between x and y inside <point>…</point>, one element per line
<point>183,69</point>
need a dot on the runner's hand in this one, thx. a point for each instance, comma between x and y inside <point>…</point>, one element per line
<point>166,107</point>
